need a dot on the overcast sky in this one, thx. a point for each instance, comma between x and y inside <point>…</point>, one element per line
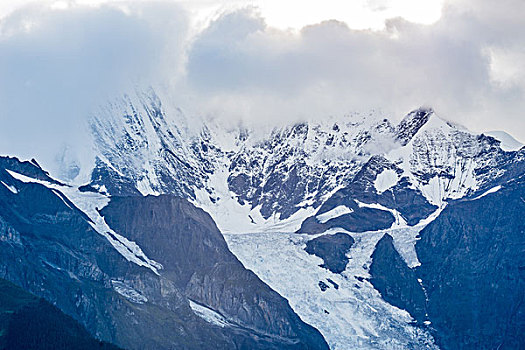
<point>255,60</point>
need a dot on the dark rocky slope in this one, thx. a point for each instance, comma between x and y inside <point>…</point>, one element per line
<point>332,249</point>
<point>186,241</point>
<point>48,247</point>
<point>410,202</point>
<point>29,322</point>
<point>396,282</point>
<point>473,269</point>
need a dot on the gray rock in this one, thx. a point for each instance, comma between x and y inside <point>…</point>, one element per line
<point>473,269</point>
<point>49,248</point>
<point>396,282</point>
<point>186,241</point>
<point>332,249</point>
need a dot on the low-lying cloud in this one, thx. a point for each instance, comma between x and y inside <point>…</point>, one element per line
<point>57,65</point>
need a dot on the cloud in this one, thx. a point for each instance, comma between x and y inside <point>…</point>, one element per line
<point>58,64</point>
<point>467,66</point>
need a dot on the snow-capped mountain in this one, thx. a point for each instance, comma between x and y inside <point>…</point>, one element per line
<point>338,220</point>
<point>358,174</point>
<point>250,181</point>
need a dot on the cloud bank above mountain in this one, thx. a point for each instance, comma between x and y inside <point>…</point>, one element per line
<point>464,66</point>
<point>56,64</point>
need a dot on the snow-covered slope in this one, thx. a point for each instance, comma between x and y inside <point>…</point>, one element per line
<point>439,163</point>
<point>508,143</point>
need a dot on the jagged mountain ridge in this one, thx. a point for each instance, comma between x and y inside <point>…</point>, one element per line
<point>359,174</point>
<point>286,176</point>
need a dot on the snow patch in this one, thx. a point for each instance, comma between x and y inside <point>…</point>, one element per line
<point>405,239</point>
<point>385,180</point>
<point>399,220</point>
<point>209,315</point>
<point>334,213</point>
<point>10,188</point>
<point>492,190</point>
<point>129,293</point>
<point>507,142</point>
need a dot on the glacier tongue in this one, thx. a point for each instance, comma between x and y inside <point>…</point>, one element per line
<point>353,316</point>
<point>260,188</point>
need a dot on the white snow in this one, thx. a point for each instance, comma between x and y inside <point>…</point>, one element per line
<point>128,292</point>
<point>405,243</point>
<point>90,203</point>
<point>232,217</point>
<point>385,180</point>
<point>334,213</point>
<point>209,315</point>
<point>508,143</point>
<point>357,318</point>
<point>431,217</point>
<point>492,190</point>
<point>10,188</point>
<point>399,220</point>
<point>446,152</point>
<point>433,191</point>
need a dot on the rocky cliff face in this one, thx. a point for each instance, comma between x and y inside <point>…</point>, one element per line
<point>53,249</point>
<point>332,249</point>
<point>470,285</point>
<point>195,257</point>
<point>396,282</point>
<point>403,172</point>
<point>473,270</point>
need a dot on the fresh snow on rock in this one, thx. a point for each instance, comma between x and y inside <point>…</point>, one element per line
<point>508,143</point>
<point>440,161</point>
<point>256,179</point>
<point>233,217</point>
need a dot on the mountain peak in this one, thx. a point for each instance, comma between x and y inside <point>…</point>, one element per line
<point>507,142</point>
<point>412,123</point>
